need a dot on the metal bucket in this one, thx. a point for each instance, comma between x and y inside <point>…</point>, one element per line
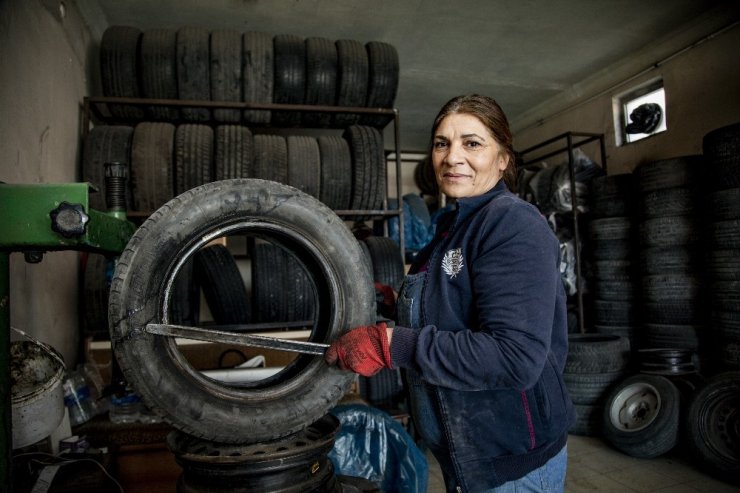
<point>36,374</point>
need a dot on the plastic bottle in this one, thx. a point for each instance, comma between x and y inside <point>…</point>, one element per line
<point>124,407</point>
<point>77,398</point>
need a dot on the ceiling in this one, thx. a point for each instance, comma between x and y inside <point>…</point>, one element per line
<point>534,56</point>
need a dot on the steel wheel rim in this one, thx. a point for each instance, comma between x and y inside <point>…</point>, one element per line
<point>635,407</point>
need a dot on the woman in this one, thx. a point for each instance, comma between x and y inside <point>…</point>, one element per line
<point>481,320</point>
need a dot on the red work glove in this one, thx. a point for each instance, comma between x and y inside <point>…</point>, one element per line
<point>364,350</point>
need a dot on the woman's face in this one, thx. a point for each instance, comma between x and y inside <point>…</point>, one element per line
<point>467,159</point>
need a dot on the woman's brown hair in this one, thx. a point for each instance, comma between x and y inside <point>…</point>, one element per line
<point>492,116</point>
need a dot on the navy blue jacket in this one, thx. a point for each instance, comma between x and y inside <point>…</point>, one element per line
<point>494,338</point>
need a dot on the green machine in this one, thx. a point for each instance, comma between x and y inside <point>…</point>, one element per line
<point>40,218</point>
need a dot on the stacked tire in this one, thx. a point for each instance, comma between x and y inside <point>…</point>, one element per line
<point>672,305</point>
<point>595,363</point>
<point>722,155</point>
<point>611,272</point>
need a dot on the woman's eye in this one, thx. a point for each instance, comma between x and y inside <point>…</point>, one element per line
<point>440,145</point>
<point>472,143</point>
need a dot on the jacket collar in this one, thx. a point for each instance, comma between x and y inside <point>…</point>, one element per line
<point>468,205</point>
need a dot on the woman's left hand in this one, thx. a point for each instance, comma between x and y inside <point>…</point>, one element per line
<point>363,350</point>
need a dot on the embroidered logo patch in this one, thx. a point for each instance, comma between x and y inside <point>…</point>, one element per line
<point>452,263</point>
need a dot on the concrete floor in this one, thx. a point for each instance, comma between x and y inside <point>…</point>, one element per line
<point>594,466</point>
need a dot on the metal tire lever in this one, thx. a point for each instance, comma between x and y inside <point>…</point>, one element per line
<point>200,334</point>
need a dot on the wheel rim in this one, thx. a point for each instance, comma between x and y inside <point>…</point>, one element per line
<point>635,407</point>
<point>720,424</point>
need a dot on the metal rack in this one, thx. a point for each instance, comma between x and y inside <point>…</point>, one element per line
<point>567,142</point>
<point>92,112</point>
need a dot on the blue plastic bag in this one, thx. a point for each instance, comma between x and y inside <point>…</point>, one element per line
<point>374,446</point>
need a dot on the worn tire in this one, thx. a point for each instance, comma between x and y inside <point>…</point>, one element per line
<point>713,425</point>
<point>641,416</point>
<point>258,74</point>
<point>226,73</point>
<point>306,388</point>
<point>597,353</point>
<point>158,71</point>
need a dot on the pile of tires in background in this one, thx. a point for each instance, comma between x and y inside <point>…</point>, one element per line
<point>171,148</point>
<point>196,64</point>
<point>346,172</point>
<point>663,275</point>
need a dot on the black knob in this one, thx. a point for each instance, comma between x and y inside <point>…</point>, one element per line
<point>69,220</point>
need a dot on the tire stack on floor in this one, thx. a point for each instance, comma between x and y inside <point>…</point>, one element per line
<point>611,272</point>
<point>722,154</point>
<point>595,363</point>
<point>672,305</point>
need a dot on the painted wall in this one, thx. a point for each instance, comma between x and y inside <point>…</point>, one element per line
<point>702,93</point>
<point>44,53</point>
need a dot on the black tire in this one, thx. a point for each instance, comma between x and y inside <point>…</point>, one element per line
<point>387,261</point>
<point>680,171</point>
<point>724,204</point>
<point>290,77</point>
<point>615,270</point>
<point>668,231</point>
<point>368,168</point>
<point>722,150</point>
<point>304,164</point>
<point>105,144</point>
<point>597,353</point>
<point>724,264</point>
<point>382,85</point>
<point>612,249</point>
<point>725,235</point>
<point>669,259</point>
<point>193,156</point>
<point>258,71</point>
<point>588,420</point>
<point>614,290</point>
<point>226,73</point>
<point>151,177</point>
<point>218,275</point>
<point>424,178</point>
<point>590,388</point>
<point>619,313</point>
<point>234,152</point>
<point>678,201</point>
<point>671,336</point>
<point>672,286</point>
<point>158,69</point>
<point>610,228</point>
<point>306,388</point>
<point>97,271</point>
<point>712,426</point>
<point>282,288</point>
<point>352,77</point>
<point>193,71</point>
<point>336,172</point>
<point>641,416</point>
<point>271,158</point>
<point>119,69</point>
<point>321,80</point>
<point>672,312</point>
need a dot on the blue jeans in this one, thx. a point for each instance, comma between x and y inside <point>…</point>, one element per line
<point>549,478</point>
